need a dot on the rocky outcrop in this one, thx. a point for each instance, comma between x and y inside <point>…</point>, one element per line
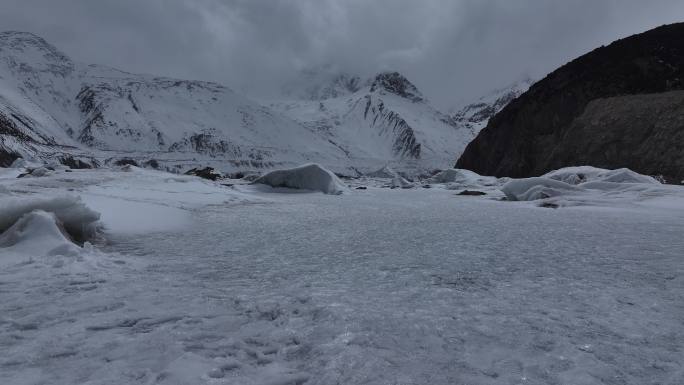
<point>599,109</point>
<point>205,173</point>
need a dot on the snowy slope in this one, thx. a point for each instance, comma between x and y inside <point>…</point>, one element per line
<point>476,115</point>
<point>52,100</point>
<point>385,120</point>
<point>50,104</point>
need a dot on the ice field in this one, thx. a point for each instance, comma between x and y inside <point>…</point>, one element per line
<point>195,282</point>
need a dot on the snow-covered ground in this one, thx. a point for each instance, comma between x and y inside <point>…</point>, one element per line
<point>196,282</point>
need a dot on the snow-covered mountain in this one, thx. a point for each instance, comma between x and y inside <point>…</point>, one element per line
<point>476,115</point>
<point>49,103</point>
<point>383,119</point>
<point>53,107</point>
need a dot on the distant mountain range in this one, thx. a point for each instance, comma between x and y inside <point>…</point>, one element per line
<point>475,116</point>
<point>53,108</point>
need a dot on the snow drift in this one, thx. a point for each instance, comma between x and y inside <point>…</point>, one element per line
<point>306,177</point>
<point>77,220</point>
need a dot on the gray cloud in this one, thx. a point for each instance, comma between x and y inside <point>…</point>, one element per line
<point>453,50</point>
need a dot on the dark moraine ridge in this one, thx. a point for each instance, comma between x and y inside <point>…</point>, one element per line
<point>617,106</point>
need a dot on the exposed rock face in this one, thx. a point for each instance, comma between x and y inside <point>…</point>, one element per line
<point>556,124</point>
<point>396,83</point>
<point>640,132</point>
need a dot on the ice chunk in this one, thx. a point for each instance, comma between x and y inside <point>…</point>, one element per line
<point>586,185</point>
<point>37,233</point>
<point>39,172</point>
<point>583,174</point>
<point>531,189</point>
<point>78,221</point>
<point>306,177</point>
<point>462,178</point>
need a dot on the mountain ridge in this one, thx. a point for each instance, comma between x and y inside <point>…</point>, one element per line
<point>536,132</point>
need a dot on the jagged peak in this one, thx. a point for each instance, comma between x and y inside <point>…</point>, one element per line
<point>398,84</point>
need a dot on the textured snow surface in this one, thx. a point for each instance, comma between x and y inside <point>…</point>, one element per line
<point>377,286</point>
<point>307,177</point>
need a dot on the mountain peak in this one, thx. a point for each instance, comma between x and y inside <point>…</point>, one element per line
<point>26,52</point>
<point>396,83</point>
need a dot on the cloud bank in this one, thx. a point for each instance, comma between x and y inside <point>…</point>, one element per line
<point>454,50</point>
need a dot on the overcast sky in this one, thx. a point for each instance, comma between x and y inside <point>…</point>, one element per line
<point>453,50</point>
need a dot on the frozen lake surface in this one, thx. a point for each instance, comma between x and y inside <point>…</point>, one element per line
<point>376,286</point>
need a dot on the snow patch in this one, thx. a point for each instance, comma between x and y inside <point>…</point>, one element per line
<point>307,177</point>
<point>125,216</point>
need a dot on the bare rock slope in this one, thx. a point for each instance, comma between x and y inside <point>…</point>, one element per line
<point>610,108</point>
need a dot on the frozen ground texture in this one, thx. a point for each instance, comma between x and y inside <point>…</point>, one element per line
<point>378,286</point>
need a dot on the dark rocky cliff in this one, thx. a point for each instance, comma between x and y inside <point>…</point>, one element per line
<point>582,114</point>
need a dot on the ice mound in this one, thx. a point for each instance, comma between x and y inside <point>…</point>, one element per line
<point>531,189</point>
<point>38,172</point>
<point>462,178</point>
<point>584,174</point>
<point>79,222</point>
<point>306,177</point>
<point>38,233</point>
<point>586,186</point>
